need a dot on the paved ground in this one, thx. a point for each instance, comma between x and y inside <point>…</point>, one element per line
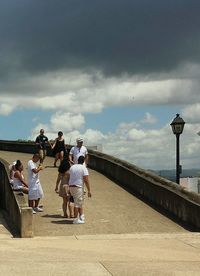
<point>111,210</point>
<point>120,254</point>
<point>122,235</point>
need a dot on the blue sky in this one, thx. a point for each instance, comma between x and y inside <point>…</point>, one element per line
<point>110,118</point>
<point>105,121</point>
<point>114,72</point>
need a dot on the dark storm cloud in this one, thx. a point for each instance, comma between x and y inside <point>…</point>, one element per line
<point>115,36</point>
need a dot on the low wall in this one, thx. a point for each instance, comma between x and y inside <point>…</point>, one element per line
<point>17,146</point>
<point>181,203</point>
<point>18,215</point>
<point>169,196</point>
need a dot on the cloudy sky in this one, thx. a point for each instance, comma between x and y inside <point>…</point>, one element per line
<point>115,72</point>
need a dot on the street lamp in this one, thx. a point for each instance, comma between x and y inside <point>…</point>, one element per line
<point>177,128</point>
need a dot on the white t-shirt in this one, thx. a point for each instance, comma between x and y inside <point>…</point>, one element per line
<point>35,188</point>
<point>76,152</point>
<point>33,178</point>
<point>77,172</point>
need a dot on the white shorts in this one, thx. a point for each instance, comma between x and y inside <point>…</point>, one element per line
<point>78,195</point>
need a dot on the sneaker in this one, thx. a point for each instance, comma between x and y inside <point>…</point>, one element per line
<point>78,221</point>
<point>33,211</point>
<point>38,209</point>
<point>82,217</point>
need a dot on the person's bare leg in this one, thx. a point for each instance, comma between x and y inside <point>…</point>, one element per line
<point>71,209</point>
<point>37,202</point>
<point>61,156</point>
<point>64,207</point>
<point>31,203</point>
<point>75,212</point>
<point>56,159</point>
<point>80,211</point>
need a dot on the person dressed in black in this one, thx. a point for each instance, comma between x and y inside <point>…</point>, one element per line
<point>59,148</point>
<point>41,142</point>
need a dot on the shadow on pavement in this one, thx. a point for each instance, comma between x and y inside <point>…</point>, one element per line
<point>53,216</point>
<point>66,221</point>
<point>63,221</point>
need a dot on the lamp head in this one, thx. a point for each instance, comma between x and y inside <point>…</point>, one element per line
<point>177,125</point>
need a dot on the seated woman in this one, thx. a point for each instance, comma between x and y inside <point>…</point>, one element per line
<point>11,172</point>
<point>18,179</point>
<point>62,188</point>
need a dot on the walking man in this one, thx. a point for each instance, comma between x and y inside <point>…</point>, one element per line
<point>78,177</point>
<point>78,150</point>
<point>41,142</point>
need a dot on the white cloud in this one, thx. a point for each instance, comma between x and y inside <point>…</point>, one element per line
<point>94,137</point>
<point>5,109</point>
<point>66,121</point>
<point>191,113</point>
<point>76,93</point>
<point>150,149</point>
<point>146,148</point>
<point>35,131</point>
<point>135,134</point>
<point>80,92</point>
<point>149,119</point>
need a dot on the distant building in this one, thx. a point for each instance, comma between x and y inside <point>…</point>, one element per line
<point>98,147</point>
<point>191,184</point>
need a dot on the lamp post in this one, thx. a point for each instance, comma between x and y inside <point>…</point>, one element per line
<point>177,128</point>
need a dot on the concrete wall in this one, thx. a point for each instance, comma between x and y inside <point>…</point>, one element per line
<point>163,193</point>
<point>18,215</point>
<point>26,147</point>
<point>171,197</point>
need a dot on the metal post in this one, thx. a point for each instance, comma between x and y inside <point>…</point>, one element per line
<point>177,159</point>
<point>177,128</point>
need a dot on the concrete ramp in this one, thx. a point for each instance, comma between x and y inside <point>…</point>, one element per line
<point>122,236</point>
<point>111,210</point>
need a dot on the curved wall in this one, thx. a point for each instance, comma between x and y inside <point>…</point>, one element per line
<point>15,209</point>
<point>161,192</point>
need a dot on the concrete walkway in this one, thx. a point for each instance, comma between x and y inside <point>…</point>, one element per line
<point>122,235</point>
<point>119,254</point>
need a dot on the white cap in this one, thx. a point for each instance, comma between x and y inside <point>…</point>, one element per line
<point>79,140</point>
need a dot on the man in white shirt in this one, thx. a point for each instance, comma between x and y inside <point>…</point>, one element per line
<point>78,176</point>
<point>78,150</point>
